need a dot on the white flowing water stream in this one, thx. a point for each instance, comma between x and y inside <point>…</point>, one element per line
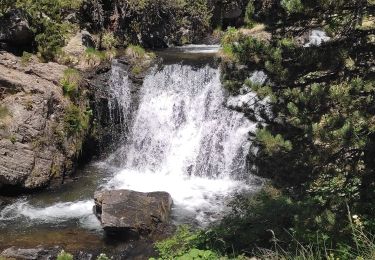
<point>181,138</point>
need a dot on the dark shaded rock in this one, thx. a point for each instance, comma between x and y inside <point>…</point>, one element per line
<point>87,39</point>
<point>131,212</point>
<point>156,24</point>
<point>15,28</point>
<point>227,12</point>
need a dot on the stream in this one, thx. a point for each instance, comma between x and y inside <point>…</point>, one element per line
<point>179,136</point>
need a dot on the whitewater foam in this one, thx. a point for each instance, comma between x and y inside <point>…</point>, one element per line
<point>185,141</point>
<point>56,213</point>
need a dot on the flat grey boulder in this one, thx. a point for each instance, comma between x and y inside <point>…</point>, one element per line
<point>132,212</point>
<point>22,253</point>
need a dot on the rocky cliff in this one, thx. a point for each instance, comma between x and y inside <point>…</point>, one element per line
<point>36,145</point>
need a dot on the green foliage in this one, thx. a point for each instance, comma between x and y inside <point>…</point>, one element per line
<point>137,69</point>
<point>50,40</point>
<point>254,221</point>
<point>94,56</point>
<point>26,58</point>
<point>272,144</point>
<point>229,39</point>
<point>194,254</point>
<point>76,119</point>
<point>102,257</point>
<point>70,4</point>
<point>249,13</point>
<point>6,5</point>
<point>46,21</point>
<point>135,52</point>
<point>109,41</point>
<point>292,6</point>
<point>70,82</point>
<point>139,57</point>
<point>179,244</point>
<point>317,147</point>
<point>64,256</point>
<point>186,245</point>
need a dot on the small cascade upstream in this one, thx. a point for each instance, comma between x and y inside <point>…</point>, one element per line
<point>179,136</point>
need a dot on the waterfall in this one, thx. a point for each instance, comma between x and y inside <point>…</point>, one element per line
<point>184,140</point>
<point>178,135</point>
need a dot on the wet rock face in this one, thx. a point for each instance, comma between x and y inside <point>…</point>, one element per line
<point>15,29</point>
<point>134,213</point>
<point>34,148</point>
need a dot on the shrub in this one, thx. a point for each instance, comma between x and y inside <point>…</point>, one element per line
<point>26,58</point>
<point>249,13</point>
<point>70,82</point>
<point>64,256</point>
<point>179,244</point>
<point>76,119</point>
<point>135,52</point>
<point>292,6</point>
<point>71,4</point>
<point>137,69</point>
<point>94,57</point>
<point>102,257</point>
<point>50,40</point>
<point>231,36</point>
<point>109,41</point>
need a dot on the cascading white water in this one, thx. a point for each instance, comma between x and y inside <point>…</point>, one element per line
<point>185,141</point>
<point>181,138</point>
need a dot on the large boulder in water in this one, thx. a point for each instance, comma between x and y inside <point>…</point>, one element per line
<point>131,212</point>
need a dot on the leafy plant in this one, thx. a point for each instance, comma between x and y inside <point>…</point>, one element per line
<point>135,52</point>
<point>102,257</point>
<point>109,40</point>
<point>93,56</point>
<point>71,81</point>
<point>249,13</point>
<point>26,58</point>
<point>50,40</point>
<point>76,119</point>
<point>178,244</point>
<point>64,256</point>
<point>292,6</point>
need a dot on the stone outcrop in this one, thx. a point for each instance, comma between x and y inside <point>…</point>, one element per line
<point>39,253</point>
<point>131,212</point>
<point>15,29</point>
<point>27,254</point>
<point>153,24</point>
<point>34,145</point>
<point>227,12</point>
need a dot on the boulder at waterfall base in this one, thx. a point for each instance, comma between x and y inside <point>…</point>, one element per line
<point>131,212</point>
